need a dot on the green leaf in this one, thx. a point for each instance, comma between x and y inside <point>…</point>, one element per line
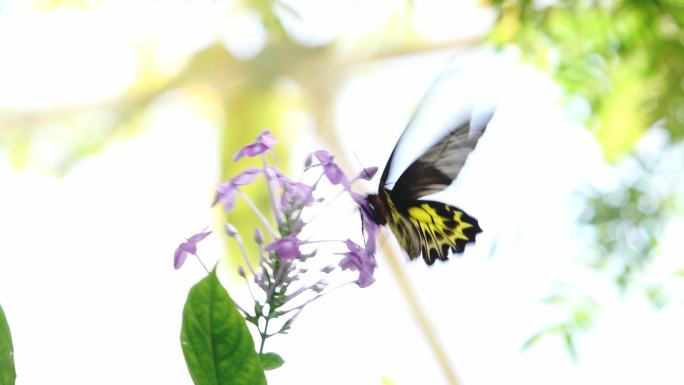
<point>270,361</point>
<point>217,345</point>
<point>7,373</point>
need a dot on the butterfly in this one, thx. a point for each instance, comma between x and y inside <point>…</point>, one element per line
<point>429,227</point>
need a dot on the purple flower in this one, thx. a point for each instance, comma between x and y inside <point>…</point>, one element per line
<point>265,141</point>
<point>297,194</point>
<point>369,226</point>
<point>187,247</point>
<point>358,259</point>
<point>331,170</point>
<point>225,192</point>
<point>286,248</point>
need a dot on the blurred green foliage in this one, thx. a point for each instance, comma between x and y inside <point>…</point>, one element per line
<point>622,56</point>
<point>581,310</point>
<point>628,220</point>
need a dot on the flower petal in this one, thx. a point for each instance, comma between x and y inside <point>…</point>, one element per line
<point>187,247</point>
<point>331,170</point>
<point>334,173</point>
<point>198,237</point>
<point>179,257</point>
<point>358,259</point>
<point>265,141</point>
<point>246,177</point>
<point>323,156</point>
<point>369,226</point>
<point>225,194</point>
<point>222,190</point>
<point>286,248</point>
<point>297,194</point>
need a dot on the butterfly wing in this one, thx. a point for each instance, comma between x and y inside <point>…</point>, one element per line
<point>431,228</point>
<point>437,167</point>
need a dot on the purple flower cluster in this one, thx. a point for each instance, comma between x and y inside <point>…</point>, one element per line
<point>283,258</point>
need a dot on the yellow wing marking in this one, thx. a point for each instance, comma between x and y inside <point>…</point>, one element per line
<point>432,228</point>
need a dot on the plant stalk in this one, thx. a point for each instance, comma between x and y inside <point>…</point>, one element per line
<point>419,314</point>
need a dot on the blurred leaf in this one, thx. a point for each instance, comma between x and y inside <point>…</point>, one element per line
<point>679,273</point>
<point>534,339</point>
<point>569,340</point>
<point>657,295</point>
<point>628,219</point>
<point>218,347</point>
<point>7,371</point>
<point>270,361</point>
<point>581,309</point>
<point>621,122</point>
<point>622,56</point>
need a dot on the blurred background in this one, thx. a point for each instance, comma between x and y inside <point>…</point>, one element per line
<point>118,118</point>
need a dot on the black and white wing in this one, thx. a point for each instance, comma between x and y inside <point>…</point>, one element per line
<point>439,165</point>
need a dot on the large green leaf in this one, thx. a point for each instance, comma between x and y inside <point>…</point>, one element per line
<point>7,373</point>
<point>217,345</point>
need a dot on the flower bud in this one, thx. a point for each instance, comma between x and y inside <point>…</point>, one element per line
<point>308,160</point>
<point>258,236</point>
<point>297,226</point>
<point>230,230</point>
<point>319,286</point>
<point>367,173</point>
<point>304,257</point>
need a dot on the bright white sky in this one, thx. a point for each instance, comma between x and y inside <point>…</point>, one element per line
<point>86,276</point>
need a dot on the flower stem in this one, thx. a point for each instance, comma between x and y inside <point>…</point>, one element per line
<point>202,263</point>
<point>264,334</point>
<point>258,213</point>
<point>271,194</point>
<point>243,250</point>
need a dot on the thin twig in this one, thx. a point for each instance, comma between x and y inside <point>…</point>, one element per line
<point>420,316</point>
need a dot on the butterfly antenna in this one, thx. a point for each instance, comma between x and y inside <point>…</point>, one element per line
<point>327,205</point>
<point>361,164</point>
